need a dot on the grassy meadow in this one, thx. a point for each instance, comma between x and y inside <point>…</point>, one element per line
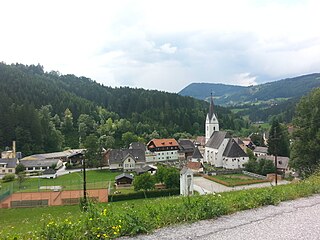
<point>105,221</point>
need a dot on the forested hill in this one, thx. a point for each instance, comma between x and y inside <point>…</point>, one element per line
<point>289,88</point>
<point>47,111</point>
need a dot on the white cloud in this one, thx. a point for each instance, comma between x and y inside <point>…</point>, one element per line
<point>164,44</point>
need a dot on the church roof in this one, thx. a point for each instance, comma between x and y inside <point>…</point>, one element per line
<point>234,150</point>
<point>217,138</point>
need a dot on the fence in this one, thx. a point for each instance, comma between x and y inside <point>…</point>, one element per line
<point>52,198</point>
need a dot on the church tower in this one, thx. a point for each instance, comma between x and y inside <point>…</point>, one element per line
<point>212,124</point>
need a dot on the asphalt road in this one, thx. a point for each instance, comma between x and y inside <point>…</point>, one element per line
<point>298,219</point>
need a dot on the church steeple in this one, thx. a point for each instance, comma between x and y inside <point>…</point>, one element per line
<point>212,123</point>
<point>211,107</point>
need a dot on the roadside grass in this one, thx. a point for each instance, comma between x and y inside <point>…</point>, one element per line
<point>72,181</point>
<point>232,180</point>
<point>105,221</point>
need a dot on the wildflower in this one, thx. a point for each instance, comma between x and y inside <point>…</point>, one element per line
<point>115,233</point>
<point>90,219</point>
<point>98,235</point>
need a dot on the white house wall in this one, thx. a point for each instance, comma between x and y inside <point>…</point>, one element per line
<point>234,163</point>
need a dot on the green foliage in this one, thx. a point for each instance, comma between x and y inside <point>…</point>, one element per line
<point>142,194</point>
<point>134,217</point>
<point>93,151</point>
<point>306,145</point>
<point>20,168</point>
<point>261,166</point>
<point>172,178</point>
<point>8,177</point>
<point>278,142</point>
<point>46,112</point>
<point>144,181</point>
<point>169,176</point>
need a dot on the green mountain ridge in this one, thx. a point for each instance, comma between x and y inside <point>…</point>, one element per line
<point>277,91</point>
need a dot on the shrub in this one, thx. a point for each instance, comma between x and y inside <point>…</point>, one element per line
<point>144,194</point>
<point>8,177</point>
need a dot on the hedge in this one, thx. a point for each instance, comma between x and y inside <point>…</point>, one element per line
<point>144,194</point>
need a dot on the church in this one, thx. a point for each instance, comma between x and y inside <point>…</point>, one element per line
<point>221,150</point>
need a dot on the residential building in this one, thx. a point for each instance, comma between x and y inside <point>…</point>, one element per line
<point>126,159</point>
<point>162,150</point>
<point>260,151</point>
<point>186,149</point>
<point>8,165</point>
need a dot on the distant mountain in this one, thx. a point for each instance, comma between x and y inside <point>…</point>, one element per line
<point>272,92</point>
<point>203,90</point>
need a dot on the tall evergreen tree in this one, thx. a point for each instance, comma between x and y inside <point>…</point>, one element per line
<point>278,142</point>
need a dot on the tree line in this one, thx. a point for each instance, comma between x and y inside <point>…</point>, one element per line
<point>47,112</point>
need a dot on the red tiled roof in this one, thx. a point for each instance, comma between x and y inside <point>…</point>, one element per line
<point>194,165</point>
<point>170,142</point>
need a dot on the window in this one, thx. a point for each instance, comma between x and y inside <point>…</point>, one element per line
<point>128,159</point>
<point>10,170</point>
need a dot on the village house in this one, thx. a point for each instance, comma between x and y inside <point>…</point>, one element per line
<point>221,149</point>
<point>8,165</point>
<point>162,150</point>
<point>124,179</point>
<point>260,151</point>
<point>186,149</point>
<point>197,156</point>
<point>147,169</point>
<point>126,159</point>
<point>282,164</point>
<point>196,167</point>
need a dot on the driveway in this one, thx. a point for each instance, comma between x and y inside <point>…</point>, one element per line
<point>211,186</point>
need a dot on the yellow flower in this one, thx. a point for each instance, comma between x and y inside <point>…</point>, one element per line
<point>98,235</point>
<point>90,219</point>
<point>115,233</point>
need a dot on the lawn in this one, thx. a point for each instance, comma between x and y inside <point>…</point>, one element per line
<point>72,181</point>
<point>231,180</point>
<point>23,220</point>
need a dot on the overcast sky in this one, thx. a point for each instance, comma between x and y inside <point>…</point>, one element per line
<point>164,45</point>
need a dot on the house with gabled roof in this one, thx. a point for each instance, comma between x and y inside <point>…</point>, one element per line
<point>8,165</point>
<point>221,150</point>
<point>162,150</point>
<point>126,159</point>
<point>197,156</point>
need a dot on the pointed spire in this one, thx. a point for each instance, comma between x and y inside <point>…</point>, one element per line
<point>211,107</point>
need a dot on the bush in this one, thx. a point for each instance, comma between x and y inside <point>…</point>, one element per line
<point>8,177</point>
<point>144,194</point>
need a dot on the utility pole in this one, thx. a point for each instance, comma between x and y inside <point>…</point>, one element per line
<point>275,157</point>
<point>84,184</point>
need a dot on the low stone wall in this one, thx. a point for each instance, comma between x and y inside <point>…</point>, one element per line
<point>33,199</point>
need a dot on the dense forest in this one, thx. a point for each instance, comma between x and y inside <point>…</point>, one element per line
<point>47,111</point>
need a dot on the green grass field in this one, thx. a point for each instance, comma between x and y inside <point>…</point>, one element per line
<point>23,220</point>
<point>72,181</point>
